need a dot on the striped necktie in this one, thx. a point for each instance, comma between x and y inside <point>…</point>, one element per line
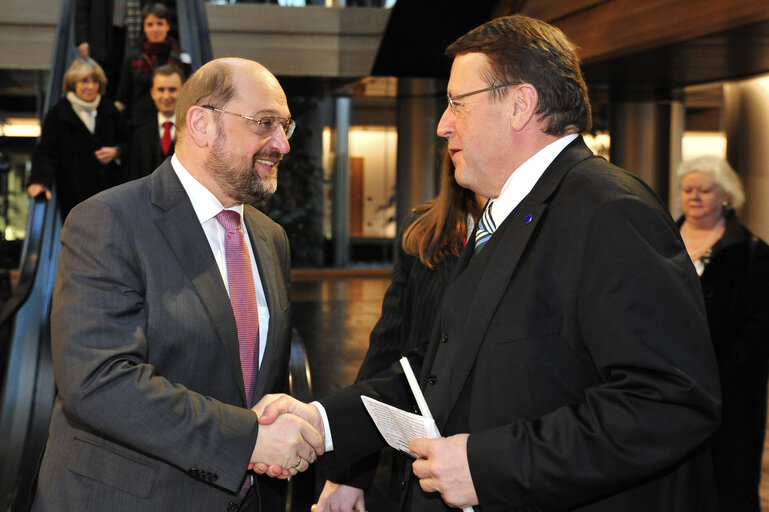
<point>486,227</point>
<point>240,282</point>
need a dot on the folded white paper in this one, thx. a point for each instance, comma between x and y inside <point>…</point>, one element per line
<point>399,427</point>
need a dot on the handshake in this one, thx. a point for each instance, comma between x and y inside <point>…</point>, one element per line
<point>291,436</point>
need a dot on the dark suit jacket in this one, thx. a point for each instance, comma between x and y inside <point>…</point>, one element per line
<point>146,153</point>
<point>151,412</point>
<point>409,308</point>
<point>65,153</point>
<point>93,24</point>
<point>735,284</point>
<point>574,349</point>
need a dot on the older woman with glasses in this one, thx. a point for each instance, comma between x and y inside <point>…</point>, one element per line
<point>733,265</point>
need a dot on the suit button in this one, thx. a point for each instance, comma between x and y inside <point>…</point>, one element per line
<point>233,506</point>
<point>444,337</point>
<point>432,379</point>
<point>214,478</point>
<point>193,471</point>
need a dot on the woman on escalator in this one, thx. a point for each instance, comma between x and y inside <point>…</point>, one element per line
<point>157,47</point>
<point>82,140</point>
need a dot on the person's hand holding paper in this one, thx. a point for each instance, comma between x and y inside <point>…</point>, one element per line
<point>442,467</point>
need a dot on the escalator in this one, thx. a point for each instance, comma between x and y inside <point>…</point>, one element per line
<point>28,387</point>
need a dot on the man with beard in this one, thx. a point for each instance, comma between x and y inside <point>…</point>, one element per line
<point>170,320</point>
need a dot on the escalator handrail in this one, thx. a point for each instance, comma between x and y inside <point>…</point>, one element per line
<point>27,389</point>
<point>36,219</point>
<point>194,34</point>
<point>63,53</point>
<point>299,377</point>
<point>30,260</point>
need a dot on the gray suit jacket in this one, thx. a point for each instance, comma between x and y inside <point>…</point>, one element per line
<point>151,410</point>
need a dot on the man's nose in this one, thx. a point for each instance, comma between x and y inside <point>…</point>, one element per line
<point>446,124</point>
<point>280,141</point>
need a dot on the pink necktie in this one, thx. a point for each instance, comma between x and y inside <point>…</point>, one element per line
<point>240,280</point>
<point>165,142</point>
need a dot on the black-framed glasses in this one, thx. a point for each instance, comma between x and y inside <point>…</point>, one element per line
<point>452,99</point>
<point>266,125</point>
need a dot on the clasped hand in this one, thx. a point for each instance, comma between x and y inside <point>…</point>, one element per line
<point>291,436</point>
<point>441,466</point>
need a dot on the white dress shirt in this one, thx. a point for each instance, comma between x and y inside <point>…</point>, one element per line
<point>206,207</point>
<point>523,179</point>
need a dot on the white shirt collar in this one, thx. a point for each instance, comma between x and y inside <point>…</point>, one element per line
<point>205,203</point>
<point>523,179</point>
<point>162,118</point>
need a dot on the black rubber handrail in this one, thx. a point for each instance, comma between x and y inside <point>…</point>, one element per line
<point>194,36</point>
<point>27,388</point>
<point>30,255</point>
<point>30,260</point>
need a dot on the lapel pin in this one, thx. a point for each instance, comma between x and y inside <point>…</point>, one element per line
<point>528,218</point>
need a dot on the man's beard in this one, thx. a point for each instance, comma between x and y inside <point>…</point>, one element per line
<point>239,180</point>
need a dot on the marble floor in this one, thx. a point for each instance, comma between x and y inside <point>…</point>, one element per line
<point>334,317</point>
<point>334,314</point>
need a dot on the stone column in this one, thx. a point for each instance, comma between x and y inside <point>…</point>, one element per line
<point>421,102</point>
<point>746,122</point>
<point>641,142</point>
<point>340,214</point>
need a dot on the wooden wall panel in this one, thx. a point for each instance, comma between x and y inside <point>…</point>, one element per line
<point>551,11</point>
<point>618,27</point>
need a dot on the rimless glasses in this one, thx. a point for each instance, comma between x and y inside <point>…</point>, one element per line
<point>265,125</point>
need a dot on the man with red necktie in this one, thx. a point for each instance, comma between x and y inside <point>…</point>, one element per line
<point>154,141</point>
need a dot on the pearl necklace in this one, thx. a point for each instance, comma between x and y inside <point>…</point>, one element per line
<point>717,233</point>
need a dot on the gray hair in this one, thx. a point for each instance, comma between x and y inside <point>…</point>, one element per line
<point>721,172</point>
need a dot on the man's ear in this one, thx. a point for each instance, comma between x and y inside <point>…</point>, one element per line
<point>201,126</point>
<point>524,102</point>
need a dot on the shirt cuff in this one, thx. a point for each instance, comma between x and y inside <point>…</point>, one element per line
<point>326,428</point>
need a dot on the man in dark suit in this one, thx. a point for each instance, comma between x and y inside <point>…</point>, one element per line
<point>153,142</point>
<point>156,369</point>
<point>570,366</point>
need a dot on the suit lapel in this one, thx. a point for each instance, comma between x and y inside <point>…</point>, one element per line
<point>480,282</point>
<point>184,234</point>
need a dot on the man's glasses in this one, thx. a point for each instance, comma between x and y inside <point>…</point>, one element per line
<point>266,125</point>
<point>452,99</point>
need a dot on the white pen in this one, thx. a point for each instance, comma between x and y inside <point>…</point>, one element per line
<point>420,398</point>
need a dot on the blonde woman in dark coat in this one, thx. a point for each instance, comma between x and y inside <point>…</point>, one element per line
<point>82,140</point>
